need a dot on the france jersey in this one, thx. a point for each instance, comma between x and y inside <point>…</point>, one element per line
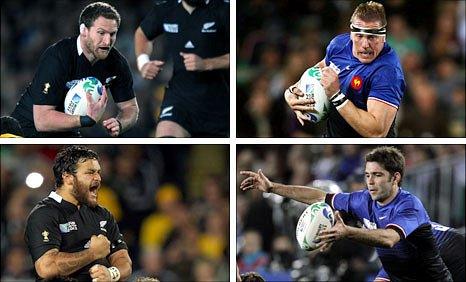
<point>416,255</point>
<point>380,80</point>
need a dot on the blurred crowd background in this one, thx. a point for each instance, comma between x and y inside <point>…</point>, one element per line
<point>277,41</point>
<point>170,202</point>
<point>29,27</point>
<point>266,223</point>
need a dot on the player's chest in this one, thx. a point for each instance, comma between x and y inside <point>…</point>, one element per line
<point>194,27</point>
<point>76,230</point>
<point>354,81</point>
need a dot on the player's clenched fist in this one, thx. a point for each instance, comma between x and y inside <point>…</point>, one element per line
<point>99,246</point>
<point>330,81</point>
<point>192,62</point>
<point>150,69</point>
<point>99,273</point>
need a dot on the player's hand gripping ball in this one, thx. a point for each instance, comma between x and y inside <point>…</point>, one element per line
<point>309,84</point>
<point>315,218</point>
<point>75,100</point>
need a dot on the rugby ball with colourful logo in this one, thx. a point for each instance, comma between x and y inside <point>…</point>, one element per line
<point>75,100</point>
<point>309,84</point>
<point>315,218</point>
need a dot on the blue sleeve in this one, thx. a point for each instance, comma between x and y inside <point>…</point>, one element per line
<point>387,86</point>
<point>408,217</point>
<point>330,50</point>
<point>350,202</point>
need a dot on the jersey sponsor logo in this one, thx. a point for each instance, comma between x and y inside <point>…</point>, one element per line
<point>356,83</point>
<point>46,88</point>
<point>166,112</point>
<point>368,224</point>
<point>102,225</point>
<point>208,27</point>
<point>189,45</point>
<point>171,28</point>
<point>439,227</point>
<point>45,234</point>
<point>68,227</point>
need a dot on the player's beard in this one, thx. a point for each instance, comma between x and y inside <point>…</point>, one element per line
<point>82,193</point>
<point>97,52</point>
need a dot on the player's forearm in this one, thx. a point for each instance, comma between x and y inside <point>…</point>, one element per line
<point>221,62</point>
<point>55,121</point>
<point>57,263</point>
<point>124,266</point>
<point>383,238</point>
<point>307,195</point>
<point>128,113</point>
<point>142,45</point>
<point>362,121</point>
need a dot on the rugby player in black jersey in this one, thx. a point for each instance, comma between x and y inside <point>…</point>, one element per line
<point>196,101</point>
<point>40,110</point>
<point>69,236</point>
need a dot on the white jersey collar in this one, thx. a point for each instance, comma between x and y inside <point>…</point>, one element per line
<point>55,196</point>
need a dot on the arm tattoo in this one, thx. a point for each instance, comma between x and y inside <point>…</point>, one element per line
<point>68,263</point>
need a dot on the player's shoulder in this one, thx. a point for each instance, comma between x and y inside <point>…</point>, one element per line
<point>408,200</point>
<point>219,3</point>
<point>338,43</point>
<point>165,4</point>
<point>101,211</point>
<point>63,47</point>
<point>46,207</point>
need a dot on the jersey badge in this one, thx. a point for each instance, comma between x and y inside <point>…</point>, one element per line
<point>67,227</point>
<point>171,28</point>
<point>102,225</point>
<point>46,88</point>
<point>45,234</point>
<point>209,27</point>
<point>356,83</point>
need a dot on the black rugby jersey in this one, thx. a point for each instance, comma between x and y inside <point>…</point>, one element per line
<point>61,63</point>
<point>205,33</point>
<point>57,224</point>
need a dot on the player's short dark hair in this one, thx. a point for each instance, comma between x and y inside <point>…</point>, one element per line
<point>370,11</point>
<point>11,126</point>
<point>94,10</point>
<point>390,158</point>
<point>251,277</point>
<point>67,160</point>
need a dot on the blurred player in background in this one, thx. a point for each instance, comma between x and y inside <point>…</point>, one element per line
<point>362,78</point>
<point>40,110</point>
<point>10,128</point>
<point>409,245</point>
<point>196,101</point>
<point>68,234</point>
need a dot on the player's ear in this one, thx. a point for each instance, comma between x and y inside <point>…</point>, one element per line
<point>397,177</point>
<point>82,29</point>
<point>67,178</point>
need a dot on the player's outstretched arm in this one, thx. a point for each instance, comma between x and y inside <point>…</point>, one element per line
<point>54,263</point>
<point>257,180</point>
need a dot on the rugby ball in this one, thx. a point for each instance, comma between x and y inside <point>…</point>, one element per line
<point>75,100</point>
<point>309,84</point>
<point>315,218</point>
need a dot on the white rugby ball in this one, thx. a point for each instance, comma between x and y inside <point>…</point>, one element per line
<point>315,218</point>
<point>75,100</point>
<point>309,84</point>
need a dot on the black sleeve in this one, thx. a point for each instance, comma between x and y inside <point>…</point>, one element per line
<point>122,88</point>
<point>151,25</point>
<point>114,235</point>
<point>47,87</point>
<point>42,232</point>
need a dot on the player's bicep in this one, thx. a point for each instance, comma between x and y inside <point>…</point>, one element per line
<point>384,114</point>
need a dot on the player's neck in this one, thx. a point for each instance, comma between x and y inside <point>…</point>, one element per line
<point>188,8</point>
<point>392,196</point>
<point>89,56</point>
<point>67,196</point>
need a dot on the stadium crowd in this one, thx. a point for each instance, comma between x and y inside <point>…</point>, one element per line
<point>174,218</point>
<point>266,223</point>
<point>277,41</point>
<point>26,33</point>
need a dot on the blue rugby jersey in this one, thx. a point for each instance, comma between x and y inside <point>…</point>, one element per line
<point>380,80</point>
<point>416,255</point>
